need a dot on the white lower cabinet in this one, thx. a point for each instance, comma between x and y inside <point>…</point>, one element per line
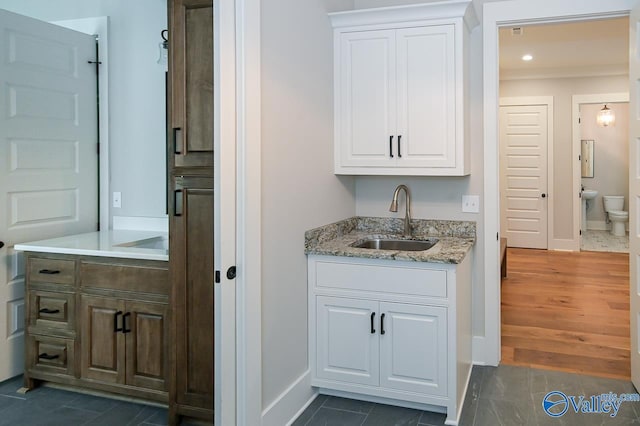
<point>391,331</point>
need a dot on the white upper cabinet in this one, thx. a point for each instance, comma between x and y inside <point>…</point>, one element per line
<point>401,90</point>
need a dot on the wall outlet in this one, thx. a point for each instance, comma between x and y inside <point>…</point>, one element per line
<point>471,204</point>
<point>117,200</point>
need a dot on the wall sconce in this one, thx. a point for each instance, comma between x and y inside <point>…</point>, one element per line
<point>606,117</point>
<point>163,47</point>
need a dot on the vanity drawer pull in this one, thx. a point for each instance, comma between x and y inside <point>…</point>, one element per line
<point>49,311</point>
<point>115,322</point>
<point>47,356</point>
<point>391,146</point>
<point>373,315</point>
<point>49,271</point>
<point>382,324</point>
<point>124,323</point>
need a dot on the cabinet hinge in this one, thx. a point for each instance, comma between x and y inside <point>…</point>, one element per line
<point>217,276</point>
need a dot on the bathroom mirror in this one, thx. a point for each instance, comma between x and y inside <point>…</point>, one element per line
<point>587,158</point>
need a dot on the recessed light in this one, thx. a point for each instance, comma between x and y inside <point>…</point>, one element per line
<point>527,57</point>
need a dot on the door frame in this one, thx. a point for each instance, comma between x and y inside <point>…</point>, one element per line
<point>548,102</point>
<point>496,15</point>
<point>576,101</point>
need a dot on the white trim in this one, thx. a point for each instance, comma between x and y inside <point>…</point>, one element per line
<point>569,72</point>
<point>406,13</point>
<point>224,171</point>
<point>576,101</point>
<point>497,14</point>
<point>286,408</point>
<point>548,101</point>
<point>304,407</point>
<point>561,244</point>
<point>597,225</point>
<point>99,26</point>
<point>249,215</point>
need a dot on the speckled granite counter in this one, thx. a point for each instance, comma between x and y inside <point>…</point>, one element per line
<point>455,239</point>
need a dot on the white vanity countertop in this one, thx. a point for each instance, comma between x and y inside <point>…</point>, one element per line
<point>149,245</point>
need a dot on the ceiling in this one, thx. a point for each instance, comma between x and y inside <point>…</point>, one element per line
<point>591,48</point>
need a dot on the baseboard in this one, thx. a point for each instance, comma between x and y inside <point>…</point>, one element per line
<point>564,245</point>
<point>597,225</point>
<point>291,403</point>
<point>478,355</point>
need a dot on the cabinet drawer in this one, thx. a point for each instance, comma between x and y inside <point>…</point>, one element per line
<point>52,310</point>
<point>59,271</point>
<point>51,354</point>
<point>145,279</point>
<point>386,279</point>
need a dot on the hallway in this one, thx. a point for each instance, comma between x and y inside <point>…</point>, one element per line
<point>567,311</point>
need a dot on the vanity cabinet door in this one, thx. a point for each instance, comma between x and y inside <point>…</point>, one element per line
<point>347,340</point>
<point>102,347</point>
<point>413,348</point>
<point>191,82</point>
<point>146,329</point>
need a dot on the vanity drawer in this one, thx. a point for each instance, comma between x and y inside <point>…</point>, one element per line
<point>51,354</point>
<point>381,278</point>
<point>145,279</point>
<point>58,271</point>
<point>52,309</point>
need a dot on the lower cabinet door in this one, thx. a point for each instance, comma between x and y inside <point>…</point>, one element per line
<point>102,344</point>
<point>413,348</point>
<point>146,329</point>
<point>347,340</point>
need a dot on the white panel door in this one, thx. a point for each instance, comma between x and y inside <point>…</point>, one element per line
<point>347,340</point>
<point>523,175</point>
<point>634,191</point>
<point>366,106</point>
<point>413,348</point>
<point>48,150</point>
<point>426,79</point>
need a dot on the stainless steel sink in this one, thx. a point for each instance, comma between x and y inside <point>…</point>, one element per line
<point>394,244</point>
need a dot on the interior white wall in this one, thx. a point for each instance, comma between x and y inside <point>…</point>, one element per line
<point>611,157</point>
<point>441,197</point>
<point>299,189</point>
<point>562,89</point>
<point>136,93</point>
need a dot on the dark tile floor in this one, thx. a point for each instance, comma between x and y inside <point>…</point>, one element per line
<point>47,406</point>
<point>505,395</point>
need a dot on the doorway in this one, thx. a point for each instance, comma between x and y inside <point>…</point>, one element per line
<point>562,214</point>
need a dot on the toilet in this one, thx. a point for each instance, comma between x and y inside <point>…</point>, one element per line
<point>613,206</point>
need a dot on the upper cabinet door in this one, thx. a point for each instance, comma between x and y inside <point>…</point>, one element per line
<point>426,88</point>
<point>366,99</point>
<point>191,83</point>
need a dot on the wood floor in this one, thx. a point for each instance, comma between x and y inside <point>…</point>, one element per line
<point>567,311</point>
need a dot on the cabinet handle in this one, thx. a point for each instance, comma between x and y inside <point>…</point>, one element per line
<point>49,311</point>
<point>115,322</point>
<point>399,138</point>
<point>177,149</point>
<point>49,271</point>
<point>382,324</point>
<point>373,315</point>
<point>124,323</point>
<point>391,146</point>
<point>47,356</point>
<point>177,202</point>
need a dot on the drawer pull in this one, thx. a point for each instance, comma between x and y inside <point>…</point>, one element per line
<point>124,323</point>
<point>373,316</point>
<point>47,356</point>
<point>49,311</point>
<point>115,322</point>
<point>382,324</point>
<point>49,271</point>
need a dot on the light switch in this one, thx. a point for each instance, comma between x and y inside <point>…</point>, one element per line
<point>117,199</point>
<point>471,204</point>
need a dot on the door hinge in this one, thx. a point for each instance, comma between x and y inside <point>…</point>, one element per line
<point>497,236</point>
<point>217,276</point>
<point>579,157</point>
<point>581,232</point>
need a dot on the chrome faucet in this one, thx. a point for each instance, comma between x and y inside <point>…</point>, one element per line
<point>394,208</point>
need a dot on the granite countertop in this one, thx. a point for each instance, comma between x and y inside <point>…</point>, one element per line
<point>455,239</point>
<point>128,244</point>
